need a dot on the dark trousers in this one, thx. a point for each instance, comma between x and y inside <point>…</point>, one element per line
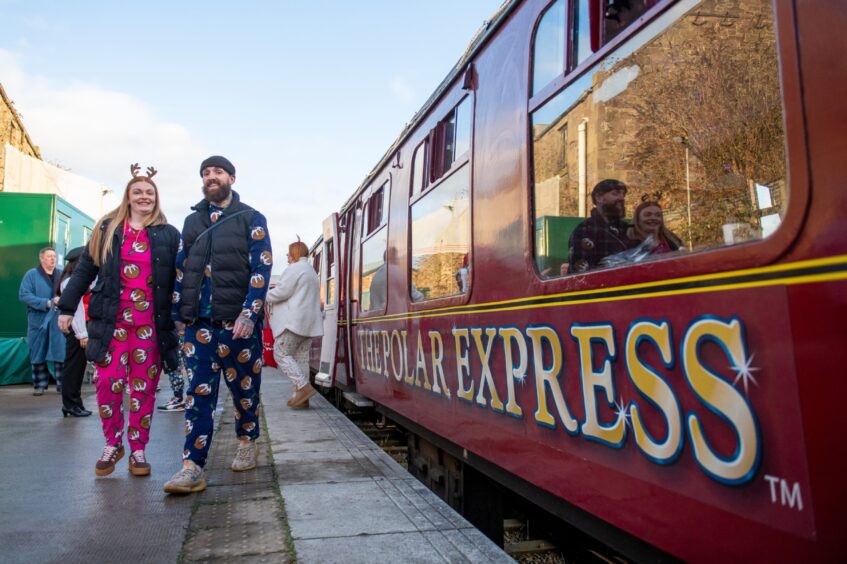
<point>209,349</point>
<point>73,372</point>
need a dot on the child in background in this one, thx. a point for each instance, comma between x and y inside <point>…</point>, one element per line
<point>177,379</point>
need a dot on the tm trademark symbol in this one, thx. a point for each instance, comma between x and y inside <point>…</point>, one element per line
<point>785,493</point>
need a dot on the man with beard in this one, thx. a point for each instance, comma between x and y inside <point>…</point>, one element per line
<point>222,274</point>
<point>602,234</point>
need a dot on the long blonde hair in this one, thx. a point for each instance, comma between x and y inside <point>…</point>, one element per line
<point>100,245</point>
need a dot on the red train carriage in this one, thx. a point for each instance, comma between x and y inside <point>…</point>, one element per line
<point>680,403</point>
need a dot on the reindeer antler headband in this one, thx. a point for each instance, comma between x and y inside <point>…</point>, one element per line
<point>654,197</point>
<point>134,169</point>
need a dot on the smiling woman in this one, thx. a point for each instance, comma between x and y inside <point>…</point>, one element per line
<point>132,255</point>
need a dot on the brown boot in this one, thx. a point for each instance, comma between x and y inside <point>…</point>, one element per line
<point>138,465</point>
<point>304,405</point>
<point>302,396</point>
<point>106,464</point>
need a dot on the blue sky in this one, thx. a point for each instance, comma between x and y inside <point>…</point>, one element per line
<point>303,97</point>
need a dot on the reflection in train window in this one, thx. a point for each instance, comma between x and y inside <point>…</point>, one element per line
<point>687,114</point>
<point>374,271</point>
<point>441,234</point>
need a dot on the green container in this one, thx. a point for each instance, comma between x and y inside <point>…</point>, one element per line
<point>28,223</point>
<point>551,242</point>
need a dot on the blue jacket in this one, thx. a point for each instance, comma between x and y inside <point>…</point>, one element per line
<point>46,342</point>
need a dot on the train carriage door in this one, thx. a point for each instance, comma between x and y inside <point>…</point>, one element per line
<point>329,297</point>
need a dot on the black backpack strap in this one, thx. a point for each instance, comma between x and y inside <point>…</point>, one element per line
<point>224,220</point>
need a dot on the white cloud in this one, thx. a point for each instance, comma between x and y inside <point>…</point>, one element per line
<point>97,133</point>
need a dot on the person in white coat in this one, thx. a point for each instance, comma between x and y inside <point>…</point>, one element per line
<point>295,318</point>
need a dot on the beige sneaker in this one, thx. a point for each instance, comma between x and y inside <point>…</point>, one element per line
<point>245,456</point>
<point>188,480</point>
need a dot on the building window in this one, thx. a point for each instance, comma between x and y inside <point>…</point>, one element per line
<point>694,134</point>
<point>441,234</point>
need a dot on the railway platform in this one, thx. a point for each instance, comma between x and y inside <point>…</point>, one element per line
<point>323,492</point>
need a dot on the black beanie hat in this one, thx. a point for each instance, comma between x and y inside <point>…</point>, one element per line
<point>607,185</point>
<point>220,162</point>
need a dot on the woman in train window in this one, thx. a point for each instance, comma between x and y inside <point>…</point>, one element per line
<point>295,318</point>
<point>132,253</point>
<point>648,221</point>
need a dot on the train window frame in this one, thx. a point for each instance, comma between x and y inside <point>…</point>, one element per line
<point>435,145</point>
<point>331,274</point>
<point>533,88</point>
<point>600,51</point>
<point>452,100</point>
<point>382,184</point>
<point>415,190</point>
<point>749,254</point>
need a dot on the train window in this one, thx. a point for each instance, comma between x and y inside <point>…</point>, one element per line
<point>318,265</point>
<point>620,14</point>
<point>441,234</point>
<point>330,272</point>
<point>673,144</point>
<point>453,138</point>
<point>374,279</point>
<point>548,60</point>
<point>580,32</point>
<point>419,179</point>
<point>376,212</point>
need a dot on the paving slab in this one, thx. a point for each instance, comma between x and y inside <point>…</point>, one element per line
<point>346,500</point>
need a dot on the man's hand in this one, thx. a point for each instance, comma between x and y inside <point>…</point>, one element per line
<point>243,328</point>
<point>65,322</point>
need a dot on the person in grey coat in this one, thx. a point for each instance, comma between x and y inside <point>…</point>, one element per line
<point>295,318</point>
<point>39,293</point>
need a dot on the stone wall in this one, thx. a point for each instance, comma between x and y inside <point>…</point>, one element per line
<point>12,132</point>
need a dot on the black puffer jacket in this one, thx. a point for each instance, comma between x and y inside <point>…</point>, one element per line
<point>106,294</point>
<point>228,247</point>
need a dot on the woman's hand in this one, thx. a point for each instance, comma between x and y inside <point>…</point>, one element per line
<point>83,342</point>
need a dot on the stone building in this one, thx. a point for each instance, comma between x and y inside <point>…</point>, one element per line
<point>12,132</point>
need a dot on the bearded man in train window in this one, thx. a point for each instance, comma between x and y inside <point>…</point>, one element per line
<point>222,278</point>
<point>605,232</point>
